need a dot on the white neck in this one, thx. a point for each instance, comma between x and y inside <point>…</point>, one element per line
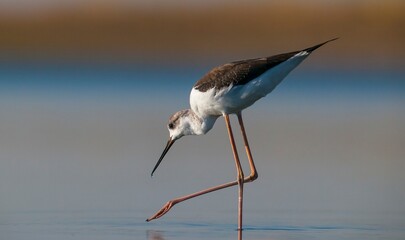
<point>201,125</point>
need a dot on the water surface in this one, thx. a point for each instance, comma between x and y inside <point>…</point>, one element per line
<point>216,225</point>
<point>78,142</point>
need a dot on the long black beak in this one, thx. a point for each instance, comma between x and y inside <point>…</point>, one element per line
<point>168,145</point>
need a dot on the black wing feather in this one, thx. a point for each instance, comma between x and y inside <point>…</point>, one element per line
<point>240,72</point>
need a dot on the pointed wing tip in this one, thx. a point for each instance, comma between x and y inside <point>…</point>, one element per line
<point>333,39</point>
<point>311,49</point>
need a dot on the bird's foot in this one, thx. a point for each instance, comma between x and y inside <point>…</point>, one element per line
<point>162,211</point>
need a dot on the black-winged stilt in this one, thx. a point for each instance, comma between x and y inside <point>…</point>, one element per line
<point>225,90</point>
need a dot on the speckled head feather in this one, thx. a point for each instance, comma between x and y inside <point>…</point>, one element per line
<point>175,118</point>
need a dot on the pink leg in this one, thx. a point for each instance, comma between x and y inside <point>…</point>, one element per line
<point>253,172</point>
<point>239,172</point>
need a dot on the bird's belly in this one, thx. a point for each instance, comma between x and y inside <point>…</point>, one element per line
<point>228,100</point>
<point>217,103</point>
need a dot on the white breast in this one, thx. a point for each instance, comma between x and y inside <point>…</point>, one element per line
<point>204,103</point>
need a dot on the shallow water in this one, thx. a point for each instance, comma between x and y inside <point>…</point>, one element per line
<point>328,146</point>
<point>123,225</point>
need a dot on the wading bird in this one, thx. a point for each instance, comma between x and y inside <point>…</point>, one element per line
<point>225,90</point>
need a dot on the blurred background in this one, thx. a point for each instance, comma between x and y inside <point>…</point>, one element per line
<point>86,88</point>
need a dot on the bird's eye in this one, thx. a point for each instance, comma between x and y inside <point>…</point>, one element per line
<point>171,125</point>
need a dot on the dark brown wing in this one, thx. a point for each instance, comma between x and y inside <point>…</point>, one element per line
<point>240,72</point>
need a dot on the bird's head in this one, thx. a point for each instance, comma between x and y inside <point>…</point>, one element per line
<point>180,124</point>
